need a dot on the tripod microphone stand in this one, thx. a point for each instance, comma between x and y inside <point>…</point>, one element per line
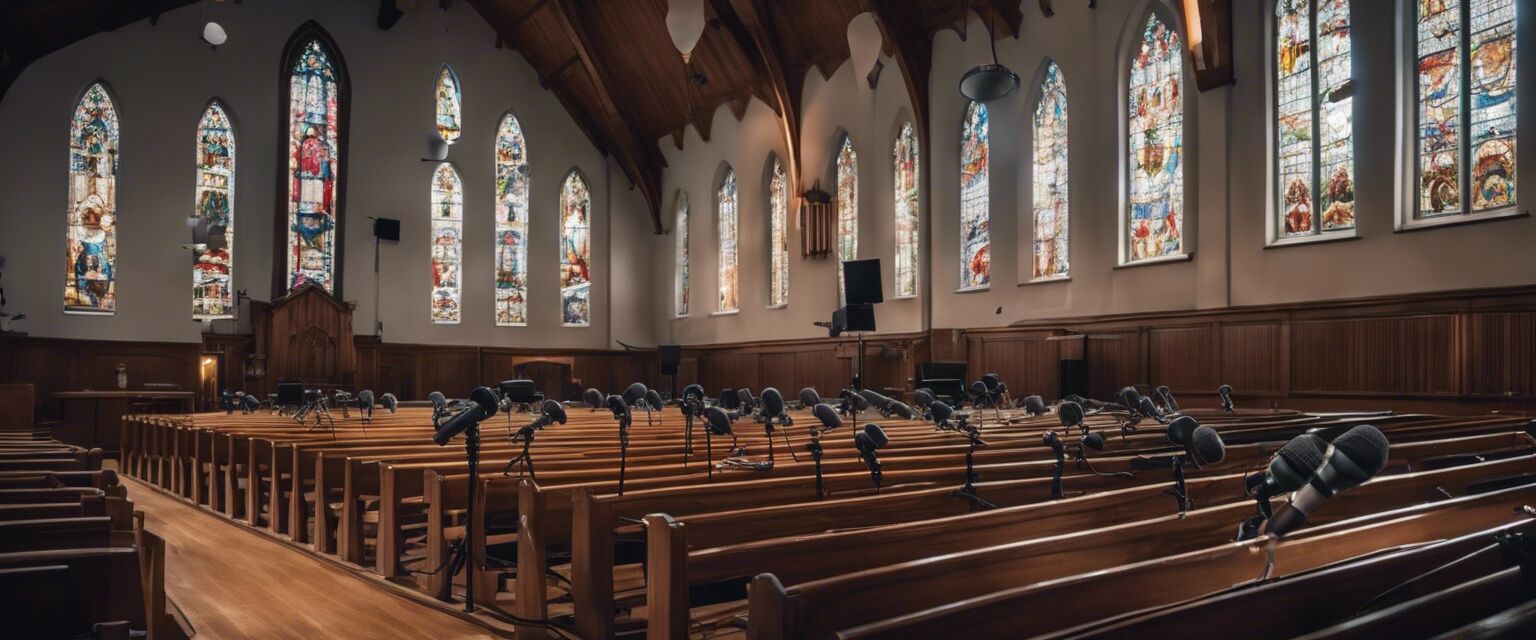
<point>968,490</point>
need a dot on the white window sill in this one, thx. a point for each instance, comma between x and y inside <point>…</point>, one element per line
<point>1505,213</point>
<point>782,305</point>
<point>1316,238</point>
<point>515,324</point>
<point>907,297</point>
<point>447,322</point>
<point>576,326</point>
<point>1046,280</point>
<point>1147,262</point>
<point>985,287</point>
<point>730,312</point>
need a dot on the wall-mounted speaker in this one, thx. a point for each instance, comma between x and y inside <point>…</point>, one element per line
<point>386,229</point>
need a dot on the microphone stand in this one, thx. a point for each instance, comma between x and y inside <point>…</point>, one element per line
<point>1179,491</point>
<point>1061,465</point>
<point>816,456</point>
<point>968,490</point>
<point>472,453</point>
<point>623,448</point>
<point>526,457</point>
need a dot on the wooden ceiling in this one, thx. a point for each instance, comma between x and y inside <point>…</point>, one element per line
<point>612,64</point>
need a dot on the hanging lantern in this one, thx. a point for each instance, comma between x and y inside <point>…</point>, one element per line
<point>685,23</point>
<point>864,43</point>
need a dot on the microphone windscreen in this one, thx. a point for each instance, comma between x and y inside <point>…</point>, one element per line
<point>978,388</point>
<point>924,397</point>
<point>991,381</point>
<point>827,415</point>
<point>555,410</point>
<point>1094,441</point>
<point>858,401</point>
<point>250,403</point>
<point>694,392</point>
<point>1035,405</point>
<point>941,412</point>
<point>1071,413</point>
<point>901,410</point>
<point>654,399</point>
<point>593,398</point>
<point>745,396</point>
<point>1294,465</point>
<point>773,402</point>
<point>1180,429</point>
<point>487,399</point>
<point>863,442</point>
<point>634,393</point>
<point>876,435</point>
<point>717,421</point>
<point>618,406</point>
<point>1052,440</point>
<point>1367,448</point>
<point>365,398</point>
<point>728,399</point>
<point>1206,447</point>
<point>874,398</point>
<point>1148,408</point>
<point>438,400</point>
<point>1129,397</point>
<point>1166,395</point>
<point>808,397</point>
<point>389,402</point>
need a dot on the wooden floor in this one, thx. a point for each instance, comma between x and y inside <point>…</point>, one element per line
<point>231,582</point>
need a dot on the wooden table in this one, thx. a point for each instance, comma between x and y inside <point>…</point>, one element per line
<point>94,418</point>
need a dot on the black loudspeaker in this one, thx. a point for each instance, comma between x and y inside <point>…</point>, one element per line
<point>386,229</point>
<point>859,317</point>
<point>670,355</point>
<point>1073,377</point>
<point>861,281</point>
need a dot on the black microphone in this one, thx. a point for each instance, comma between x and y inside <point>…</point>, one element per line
<point>1169,404</point>
<point>924,397</point>
<point>868,441</point>
<point>1205,447</point>
<point>1071,414</point>
<point>1054,442</point>
<point>1094,441</point>
<point>551,411</point>
<point>773,403</point>
<point>992,382</point>
<point>654,399</point>
<point>483,402</point>
<point>979,391</point>
<point>1130,398</point>
<point>593,398</point>
<point>693,400</point>
<point>250,404</point>
<point>1350,460</point>
<point>1225,391</point>
<point>1291,467</point>
<point>619,407</point>
<point>365,402</point>
<point>748,402</point>
<point>634,394</point>
<point>717,421</point>
<point>439,404</point>
<point>728,399</point>
<point>808,397</point>
<point>901,410</point>
<point>1034,405</point>
<point>389,402</point>
<point>1180,430</point>
<point>941,413</point>
<point>874,398</point>
<point>827,415</point>
<point>1149,409</point>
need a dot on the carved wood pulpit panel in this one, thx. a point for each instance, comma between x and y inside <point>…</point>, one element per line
<point>309,337</point>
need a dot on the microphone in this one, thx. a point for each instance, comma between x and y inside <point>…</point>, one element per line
<point>924,397</point>
<point>1130,398</point>
<point>1071,414</point>
<point>773,403</point>
<point>593,398</point>
<point>1291,467</point>
<point>728,399</point>
<point>808,397</point>
<point>654,399</point>
<point>1225,391</point>
<point>992,382</point>
<point>1205,447</point>
<point>693,400</point>
<point>827,415</point>
<point>552,411</point>
<point>1034,405</point>
<point>940,413</point>
<point>1169,404</point>
<point>634,394</point>
<point>1180,430</point>
<point>250,404</point>
<point>868,442</point>
<point>1054,442</point>
<point>483,402</point>
<point>979,392</point>
<point>365,402</point>
<point>1350,460</point>
<point>1094,441</point>
<point>227,400</point>
<point>901,410</point>
<point>439,404</point>
<point>717,421</point>
<point>389,402</point>
<point>619,407</point>
<point>748,403</point>
<point>874,398</point>
<point>1149,409</point>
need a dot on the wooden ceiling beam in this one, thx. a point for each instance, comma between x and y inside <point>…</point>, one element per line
<point>913,44</point>
<point>751,25</point>
<point>640,158</point>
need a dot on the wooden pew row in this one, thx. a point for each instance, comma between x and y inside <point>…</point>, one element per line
<point>731,545</point>
<point>1368,518</point>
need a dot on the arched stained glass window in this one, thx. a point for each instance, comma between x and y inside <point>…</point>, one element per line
<point>575,251</point>
<point>213,237</point>
<point>1050,178</point>
<point>778,236</point>
<point>975,234</point>
<point>447,244</point>
<point>847,209</point>
<point>725,203</point>
<point>511,224</point>
<point>1155,144</point>
<point>680,289</point>
<point>90,281</point>
<point>907,171</point>
<point>1465,83</point>
<point>1315,181</point>
<point>314,107</point>
<point>449,97</point>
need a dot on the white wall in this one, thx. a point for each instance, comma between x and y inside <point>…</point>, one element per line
<point>163,75</point>
<point>1227,175</point>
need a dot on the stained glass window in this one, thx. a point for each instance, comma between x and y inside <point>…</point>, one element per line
<point>906,162</point>
<point>1466,81</point>
<point>847,208</point>
<point>511,224</point>
<point>1313,111</point>
<point>778,236</point>
<point>725,200</point>
<point>1155,113</point>
<point>214,234</point>
<point>575,251</point>
<point>314,104</point>
<point>1050,178</point>
<point>449,97</point>
<point>975,237</point>
<point>447,243</point>
<point>90,281</point>
<point>680,293</point>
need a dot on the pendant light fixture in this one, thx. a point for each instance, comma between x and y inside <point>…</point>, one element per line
<point>989,82</point>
